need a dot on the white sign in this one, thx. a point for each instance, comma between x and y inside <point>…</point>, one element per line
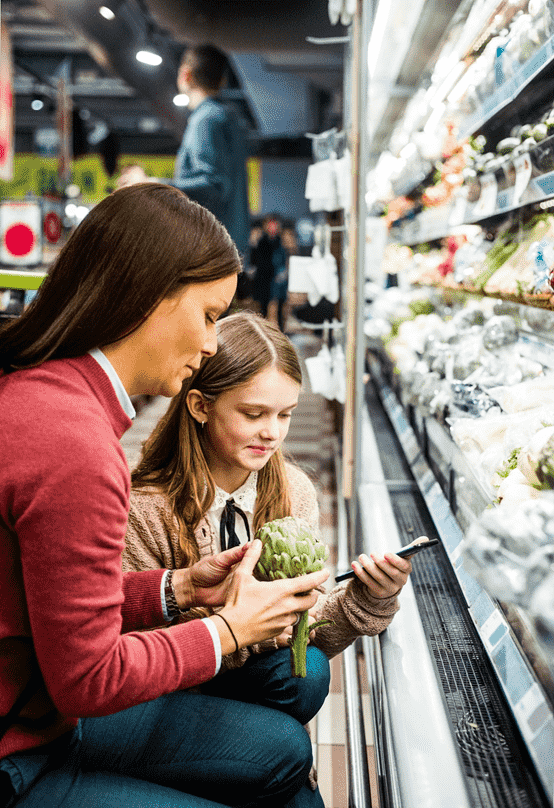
<point>487,200</point>
<point>522,165</point>
<point>21,234</point>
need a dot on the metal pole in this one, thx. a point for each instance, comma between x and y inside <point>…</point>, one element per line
<point>355,276</point>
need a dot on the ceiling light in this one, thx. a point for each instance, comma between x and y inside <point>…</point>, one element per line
<point>149,57</point>
<point>106,12</point>
<point>37,104</point>
<point>181,100</point>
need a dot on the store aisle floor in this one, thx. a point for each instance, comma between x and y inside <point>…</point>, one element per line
<point>311,444</point>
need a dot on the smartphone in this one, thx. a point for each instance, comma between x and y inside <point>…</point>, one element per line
<point>411,549</point>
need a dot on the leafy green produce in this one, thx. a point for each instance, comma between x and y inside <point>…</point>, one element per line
<point>289,550</point>
<point>510,464</point>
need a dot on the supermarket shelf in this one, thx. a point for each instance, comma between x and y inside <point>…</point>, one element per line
<point>509,90</point>
<point>523,181</point>
<point>526,698</point>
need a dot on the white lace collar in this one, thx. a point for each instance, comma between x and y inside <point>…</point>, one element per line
<point>244,497</point>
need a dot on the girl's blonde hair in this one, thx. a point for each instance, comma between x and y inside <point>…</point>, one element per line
<point>173,459</point>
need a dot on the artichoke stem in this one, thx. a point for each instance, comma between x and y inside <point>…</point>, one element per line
<point>299,645</point>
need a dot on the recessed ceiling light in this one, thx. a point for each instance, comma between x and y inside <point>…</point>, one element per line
<point>181,100</point>
<point>106,12</point>
<point>149,57</point>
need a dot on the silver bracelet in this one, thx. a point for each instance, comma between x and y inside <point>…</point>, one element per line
<point>171,606</point>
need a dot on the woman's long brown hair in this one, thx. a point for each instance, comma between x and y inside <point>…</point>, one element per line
<point>173,458</point>
<point>137,246</point>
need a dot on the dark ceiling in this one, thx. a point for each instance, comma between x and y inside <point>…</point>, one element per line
<point>283,85</point>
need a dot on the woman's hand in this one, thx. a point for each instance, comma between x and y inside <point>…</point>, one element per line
<point>283,639</point>
<point>207,582</point>
<point>384,576</point>
<point>259,610</point>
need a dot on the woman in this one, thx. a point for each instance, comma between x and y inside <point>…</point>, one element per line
<point>213,472</point>
<point>128,308</point>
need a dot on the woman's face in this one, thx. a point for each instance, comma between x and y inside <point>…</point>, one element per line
<point>247,424</point>
<point>178,333</point>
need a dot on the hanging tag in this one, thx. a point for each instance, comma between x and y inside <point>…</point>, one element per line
<point>321,182</point>
<point>486,203</point>
<point>344,179</point>
<point>457,216</point>
<point>522,165</point>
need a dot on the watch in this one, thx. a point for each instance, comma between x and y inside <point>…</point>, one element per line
<point>171,606</point>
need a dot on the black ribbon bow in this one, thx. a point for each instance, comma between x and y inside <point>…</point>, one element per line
<point>227,525</point>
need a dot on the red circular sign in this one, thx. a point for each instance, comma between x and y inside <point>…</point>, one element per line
<point>52,227</point>
<point>19,239</point>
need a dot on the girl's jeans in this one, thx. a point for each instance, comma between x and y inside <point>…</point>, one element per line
<point>242,745</point>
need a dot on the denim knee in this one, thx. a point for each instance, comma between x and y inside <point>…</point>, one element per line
<point>313,689</point>
<point>290,750</point>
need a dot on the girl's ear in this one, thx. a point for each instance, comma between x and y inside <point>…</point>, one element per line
<point>197,406</point>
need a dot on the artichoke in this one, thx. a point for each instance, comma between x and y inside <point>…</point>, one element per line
<point>289,550</point>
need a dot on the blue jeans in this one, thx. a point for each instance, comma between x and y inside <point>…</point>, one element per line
<point>184,750</point>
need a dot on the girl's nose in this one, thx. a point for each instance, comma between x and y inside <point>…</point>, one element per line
<point>270,429</point>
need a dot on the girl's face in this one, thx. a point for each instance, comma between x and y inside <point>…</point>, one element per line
<point>178,333</point>
<point>247,424</point>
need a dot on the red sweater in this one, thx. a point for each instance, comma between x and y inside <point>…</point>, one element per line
<point>64,498</point>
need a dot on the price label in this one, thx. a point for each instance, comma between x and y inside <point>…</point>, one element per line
<point>522,165</point>
<point>486,203</point>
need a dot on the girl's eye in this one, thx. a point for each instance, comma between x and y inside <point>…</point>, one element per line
<point>210,319</point>
<point>285,415</point>
<point>252,416</point>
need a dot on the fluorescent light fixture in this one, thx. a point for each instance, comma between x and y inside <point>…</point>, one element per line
<point>149,57</point>
<point>181,100</point>
<point>106,12</point>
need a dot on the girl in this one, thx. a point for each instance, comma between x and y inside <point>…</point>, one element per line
<point>217,451</point>
<point>128,308</point>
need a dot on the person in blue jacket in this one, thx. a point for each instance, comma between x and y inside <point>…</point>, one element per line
<point>210,166</point>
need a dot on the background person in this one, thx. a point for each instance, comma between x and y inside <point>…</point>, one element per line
<point>262,258</point>
<point>129,307</point>
<point>210,166</point>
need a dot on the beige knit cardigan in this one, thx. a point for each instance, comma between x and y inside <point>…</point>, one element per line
<point>152,542</point>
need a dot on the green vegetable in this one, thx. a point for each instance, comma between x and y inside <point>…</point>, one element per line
<point>289,550</point>
<point>510,464</point>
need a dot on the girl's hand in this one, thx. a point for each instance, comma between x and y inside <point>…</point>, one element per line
<point>385,575</point>
<point>260,610</point>
<point>207,582</point>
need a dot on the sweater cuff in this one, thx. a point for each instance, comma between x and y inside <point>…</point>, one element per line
<point>142,606</point>
<point>379,607</point>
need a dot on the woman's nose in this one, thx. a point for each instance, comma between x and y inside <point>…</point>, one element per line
<point>210,345</point>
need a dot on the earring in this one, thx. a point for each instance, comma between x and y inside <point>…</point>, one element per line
<point>203,424</point>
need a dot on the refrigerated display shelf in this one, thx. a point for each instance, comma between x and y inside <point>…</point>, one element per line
<point>454,606</point>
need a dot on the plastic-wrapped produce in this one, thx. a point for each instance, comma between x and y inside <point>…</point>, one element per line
<point>468,317</point>
<point>527,395</point>
<point>541,610</point>
<point>516,489</point>
<point>470,399</point>
<point>510,549</point>
<point>505,367</point>
<point>536,459</point>
<point>433,395</point>
<point>499,331</point>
